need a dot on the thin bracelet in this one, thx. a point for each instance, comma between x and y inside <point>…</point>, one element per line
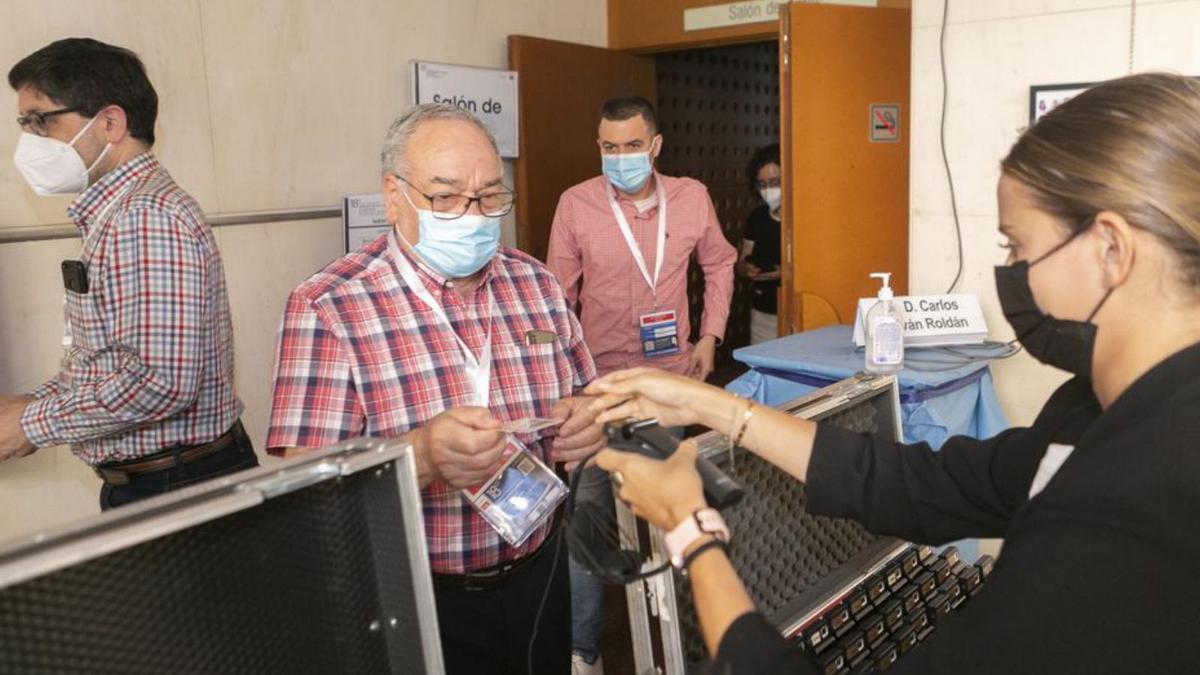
<point>735,439</point>
<point>689,558</point>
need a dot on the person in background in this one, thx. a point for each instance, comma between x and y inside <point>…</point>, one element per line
<point>436,333</point>
<point>620,243</point>
<point>1099,212</point>
<point>761,243</point>
<point>145,392</point>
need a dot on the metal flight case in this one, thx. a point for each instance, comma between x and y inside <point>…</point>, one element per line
<point>798,568</point>
<point>314,565</point>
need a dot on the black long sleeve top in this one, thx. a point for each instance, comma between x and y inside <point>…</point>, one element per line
<point>1100,571</point>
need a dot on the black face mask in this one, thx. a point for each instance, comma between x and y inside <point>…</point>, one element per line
<point>1063,344</point>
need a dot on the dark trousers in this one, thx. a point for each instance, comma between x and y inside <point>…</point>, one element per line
<point>237,457</point>
<point>487,631</point>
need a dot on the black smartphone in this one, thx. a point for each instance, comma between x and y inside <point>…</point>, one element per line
<point>75,277</point>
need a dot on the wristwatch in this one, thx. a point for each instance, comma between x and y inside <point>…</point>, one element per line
<point>702,522</point>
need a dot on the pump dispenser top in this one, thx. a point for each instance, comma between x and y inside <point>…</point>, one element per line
<point>885,293</point>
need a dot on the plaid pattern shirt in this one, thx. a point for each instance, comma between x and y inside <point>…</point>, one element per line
<point>360,355</point>
<point>150,364</point>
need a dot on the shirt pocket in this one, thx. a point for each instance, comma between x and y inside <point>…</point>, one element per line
<point>88,331</point>
<point>530,378</point>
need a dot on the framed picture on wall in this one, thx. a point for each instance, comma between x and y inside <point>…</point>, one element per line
<point>1046,97</point>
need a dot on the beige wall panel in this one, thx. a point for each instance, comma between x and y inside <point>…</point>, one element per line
<point>263,263</point>
<point>166,34</point>
<point>302,95</point>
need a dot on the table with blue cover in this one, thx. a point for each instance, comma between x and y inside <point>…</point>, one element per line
<point>934,404</point>
<point>937,401</point>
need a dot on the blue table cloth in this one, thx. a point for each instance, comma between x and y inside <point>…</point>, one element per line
<point>936,401</point>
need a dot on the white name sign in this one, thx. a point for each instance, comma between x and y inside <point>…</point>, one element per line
<point>748,11</point>
<point>932,320</point>
<point>487,93</point>
<point>364,217</point>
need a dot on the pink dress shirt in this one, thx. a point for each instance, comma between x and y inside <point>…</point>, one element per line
<point>586,245</point>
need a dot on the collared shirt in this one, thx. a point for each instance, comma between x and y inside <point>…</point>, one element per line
<point>361,355</point>
<point>151,361</point>
<point>586,243</point>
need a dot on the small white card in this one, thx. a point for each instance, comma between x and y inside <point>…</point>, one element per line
<point>530,425</point>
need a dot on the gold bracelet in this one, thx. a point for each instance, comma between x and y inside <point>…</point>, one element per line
<point>736,433</point>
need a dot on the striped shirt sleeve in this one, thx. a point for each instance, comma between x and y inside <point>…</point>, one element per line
<point>314,402</point>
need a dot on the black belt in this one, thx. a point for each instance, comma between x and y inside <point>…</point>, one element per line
<point>490,577</point>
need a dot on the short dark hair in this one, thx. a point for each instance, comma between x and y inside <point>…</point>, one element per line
<point>767,154</point>
<point>627,107</point>
<point>88,75</point>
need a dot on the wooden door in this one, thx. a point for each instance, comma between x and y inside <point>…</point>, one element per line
<point>562,86</point>
<point>845,196</point>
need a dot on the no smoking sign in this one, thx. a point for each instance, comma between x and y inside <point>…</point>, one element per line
<point>885,123</point>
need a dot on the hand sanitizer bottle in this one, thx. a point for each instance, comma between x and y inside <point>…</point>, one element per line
<point>884,332</point>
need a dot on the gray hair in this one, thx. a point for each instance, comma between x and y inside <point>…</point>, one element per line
<point>395,143</point>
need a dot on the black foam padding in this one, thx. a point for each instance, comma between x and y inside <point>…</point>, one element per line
<point>778,549</point>
<point>304,583</point>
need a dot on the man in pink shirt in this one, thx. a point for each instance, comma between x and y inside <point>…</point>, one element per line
<point>620,244</point>
<point>608,232</point>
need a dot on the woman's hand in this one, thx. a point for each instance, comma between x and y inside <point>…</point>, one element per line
<point>663,493</point>
<point>643,393</point>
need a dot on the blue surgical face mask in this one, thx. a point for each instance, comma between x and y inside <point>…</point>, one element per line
<point>628,173</point>
<point>456,248</point>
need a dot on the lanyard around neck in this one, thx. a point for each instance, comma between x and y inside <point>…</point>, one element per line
<point>636,250</point>
<point>479,370</point>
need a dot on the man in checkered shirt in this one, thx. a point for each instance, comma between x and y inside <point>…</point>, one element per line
<point>437,334</point>
<point>145,392</point>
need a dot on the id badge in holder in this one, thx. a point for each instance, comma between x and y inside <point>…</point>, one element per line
<point>660,333</point>
<point>519,497</point>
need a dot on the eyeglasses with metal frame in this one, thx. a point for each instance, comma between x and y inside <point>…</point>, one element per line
<point>454,206</point>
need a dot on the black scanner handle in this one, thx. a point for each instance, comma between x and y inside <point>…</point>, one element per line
<point>647,438</point>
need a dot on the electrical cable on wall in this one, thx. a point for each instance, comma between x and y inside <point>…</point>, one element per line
<point>1132,31</point>
<point>942,136</point>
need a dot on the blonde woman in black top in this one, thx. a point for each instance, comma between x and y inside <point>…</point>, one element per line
<point>1098,501</point>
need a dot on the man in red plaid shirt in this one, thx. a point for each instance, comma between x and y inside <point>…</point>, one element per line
<point>437,334</point>
<point>145,393</point>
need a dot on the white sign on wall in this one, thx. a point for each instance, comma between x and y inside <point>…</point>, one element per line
<point>1044,98</point>
<point>747,11</point>
<point>364,218</point>
<point>488,93</point>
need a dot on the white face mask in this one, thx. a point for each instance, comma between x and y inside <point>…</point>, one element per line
<point>52,167</point>
<point>772,197</point>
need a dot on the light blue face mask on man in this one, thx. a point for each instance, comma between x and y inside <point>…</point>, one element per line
<point>456,248</point>
<point>628,173</point>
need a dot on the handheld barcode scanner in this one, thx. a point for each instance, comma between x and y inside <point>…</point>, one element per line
<point>591,527</point>
<point>646,437</point>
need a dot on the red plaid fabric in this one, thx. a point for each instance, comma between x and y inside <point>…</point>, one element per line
<point>151,361</point>
<point>360,355</point>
